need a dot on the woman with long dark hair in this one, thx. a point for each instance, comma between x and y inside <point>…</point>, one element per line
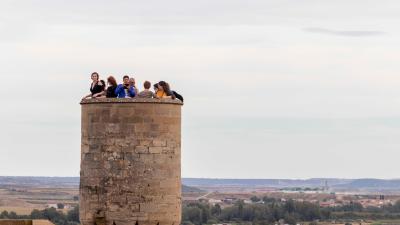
<point>164,91</point>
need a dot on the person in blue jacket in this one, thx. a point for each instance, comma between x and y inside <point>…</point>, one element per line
<point>125,90</point>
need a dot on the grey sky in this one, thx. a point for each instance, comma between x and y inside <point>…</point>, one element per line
<point>273,89</point>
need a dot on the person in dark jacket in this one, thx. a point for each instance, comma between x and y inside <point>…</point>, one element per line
<point>110,91</point>
<point>125,90</point>
<point>112,85</point>
<point>96,86</point>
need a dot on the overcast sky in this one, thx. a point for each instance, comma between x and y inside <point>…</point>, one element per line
<point>273,89</point>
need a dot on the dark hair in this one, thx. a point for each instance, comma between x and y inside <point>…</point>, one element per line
<point>166,89</point>
<point>155,86</point>
<point>126,76</point>
<point>103,84</point>
<point>112,81</point>
<point>147,84</point>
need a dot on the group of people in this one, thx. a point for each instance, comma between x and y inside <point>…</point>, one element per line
<point>128,89</point>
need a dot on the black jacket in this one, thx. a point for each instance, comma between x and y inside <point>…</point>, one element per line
<point>96,88</point>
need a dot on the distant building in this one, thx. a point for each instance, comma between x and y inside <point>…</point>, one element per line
<point>52,205</point>
<point>214,201</point>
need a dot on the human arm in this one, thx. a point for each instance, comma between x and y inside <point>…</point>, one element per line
<point>118,90</point>
<point>87,96</point>
<point>169,95</point>
<point>99,94</point>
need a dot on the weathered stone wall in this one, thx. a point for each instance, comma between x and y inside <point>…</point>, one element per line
<point>130,162</point>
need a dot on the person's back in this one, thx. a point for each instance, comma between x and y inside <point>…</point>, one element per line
<point>112,85</point>
<point>111,92</point>
<point>146,93</point>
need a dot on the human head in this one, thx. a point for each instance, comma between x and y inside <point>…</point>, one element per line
<point>162,85</point>
<point>155,86</point>
<point>111,81</point>
<point>103,84</point>
<point>126,79</point>
<point>132,81</point>
<point>95,77</point>
<point>147,84</point>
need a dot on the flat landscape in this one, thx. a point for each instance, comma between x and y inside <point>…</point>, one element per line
<point>23,200</point>
<point>24,194</point>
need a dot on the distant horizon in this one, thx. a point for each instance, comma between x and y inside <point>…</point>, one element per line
<point>216,178</point>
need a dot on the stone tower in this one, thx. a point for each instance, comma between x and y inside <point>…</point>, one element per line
<point>130,162</point>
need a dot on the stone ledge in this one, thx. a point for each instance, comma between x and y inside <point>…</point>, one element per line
<point>130,100</point>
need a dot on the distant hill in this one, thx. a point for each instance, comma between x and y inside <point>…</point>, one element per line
<point>275,183</point>
<point>348,184</point>
<point>39,181</point>
<point>196,184</point>
<point>188,189</point>
<point>376,184</point>
<point>57,182</point>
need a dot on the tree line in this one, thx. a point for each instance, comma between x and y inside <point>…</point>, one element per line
<point>268,212</point>
<point>272,210</point>
<point>52,214</point>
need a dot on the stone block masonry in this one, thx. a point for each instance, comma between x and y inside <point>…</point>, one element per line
<point>130,162</point>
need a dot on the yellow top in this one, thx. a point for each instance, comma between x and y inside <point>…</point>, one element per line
<point>161,94</point>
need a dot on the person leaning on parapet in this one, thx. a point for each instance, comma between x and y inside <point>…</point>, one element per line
<point>163,90</point>
<point>132,83</point>
<point>155,87</point>
<point>96,86</point>
<point>146,93</point>
<point>125,90</point>
<point>110,92</point>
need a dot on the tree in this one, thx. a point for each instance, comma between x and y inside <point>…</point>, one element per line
<point>289,206</point>
<point>192,214</point>
<point>216,210</point>
<point>12,215</point>
<point>60,206</point>
<point>73,215</point>
<point>255,199</point>
<point>240,205</point>
<point>36,214</point>
<point>4,215</point>
<point>266,199</point>
<point>290,219</point>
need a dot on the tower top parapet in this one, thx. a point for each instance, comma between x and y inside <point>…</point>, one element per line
<point>130,100</point>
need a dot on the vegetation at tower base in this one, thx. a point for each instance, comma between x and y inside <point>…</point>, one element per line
<point>266,213</point>
<point>51,214</point>
<point>271,211</point>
